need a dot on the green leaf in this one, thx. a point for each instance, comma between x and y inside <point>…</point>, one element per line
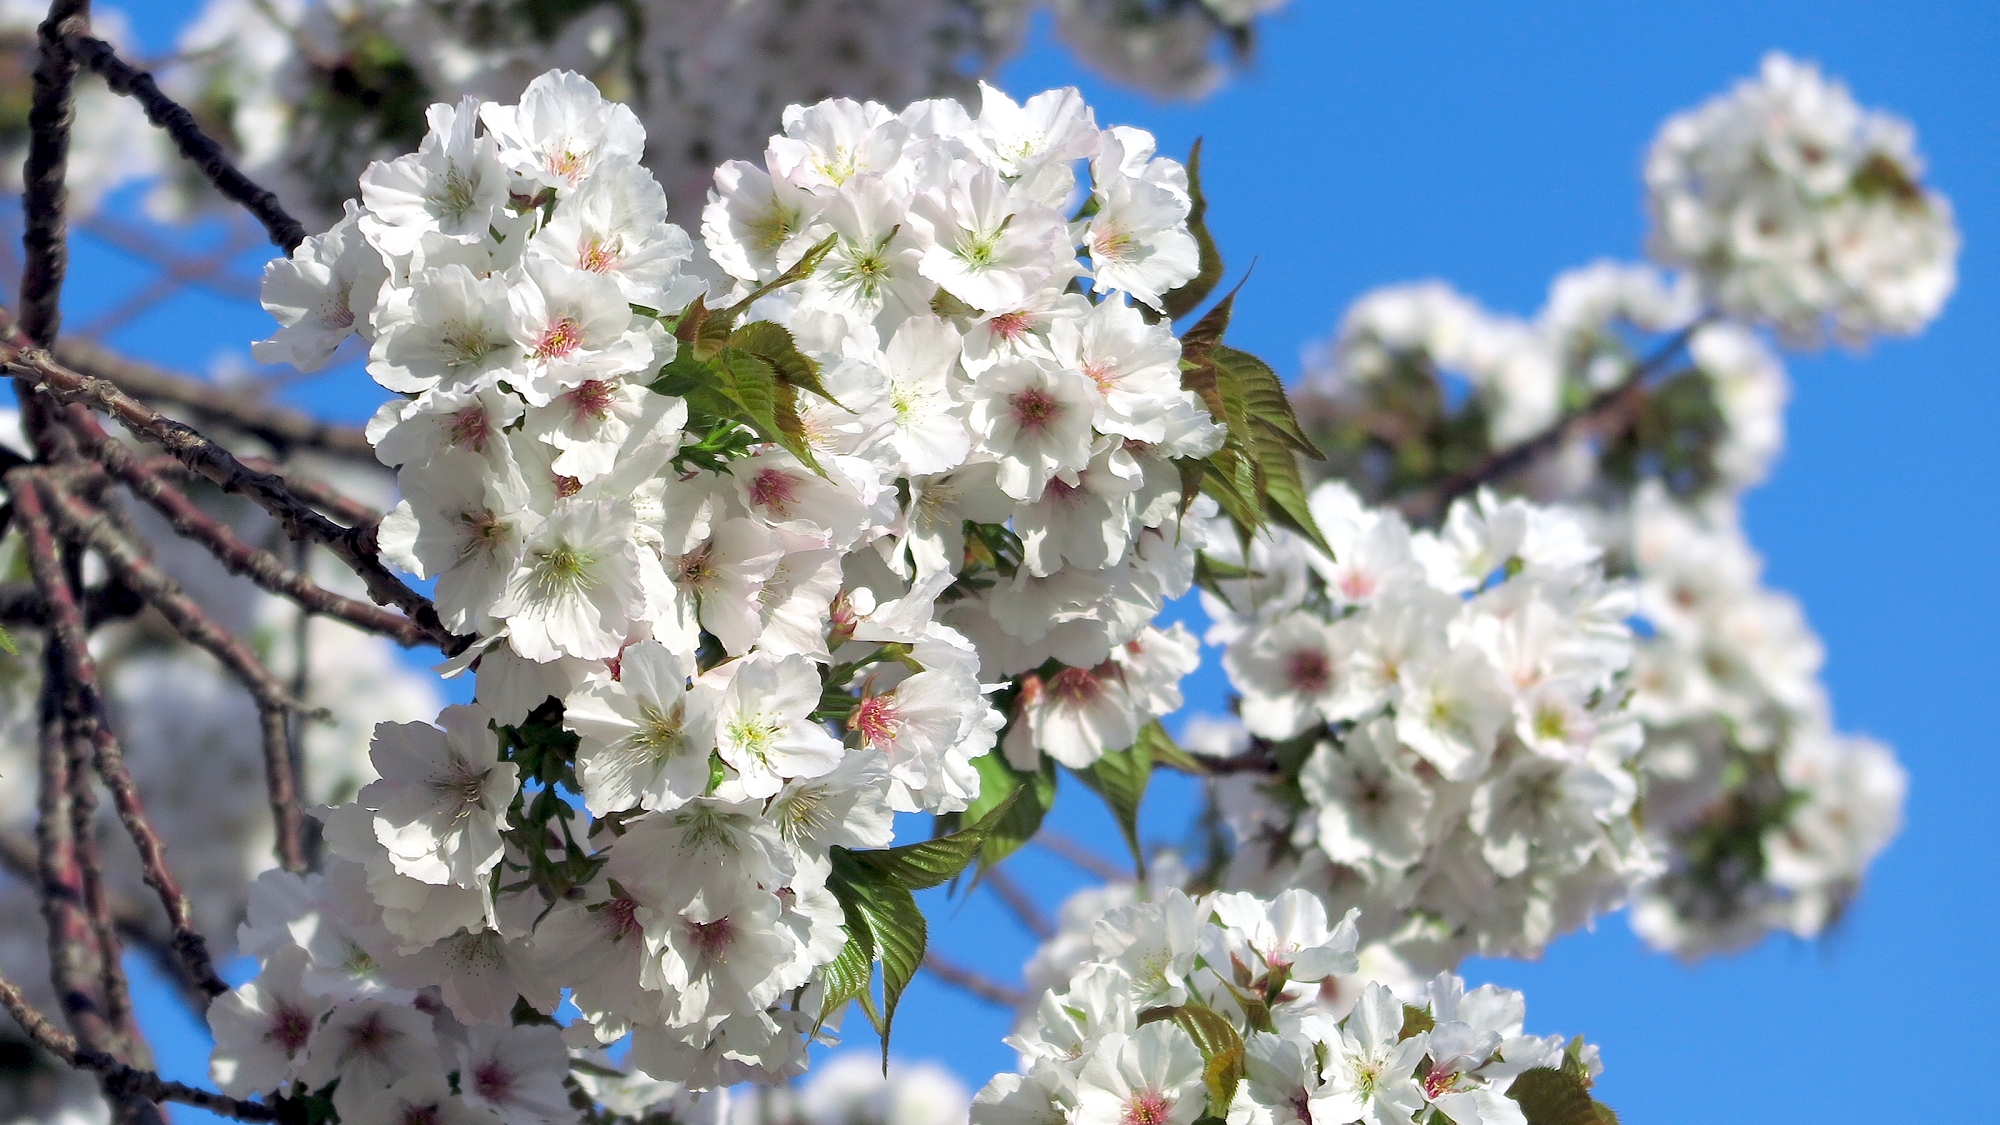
<point>7,642</point>
<point>1416,1021</point>
<point>1120,777</point>
<point>1554,1097</point>
<point>772,343</point>
<point>1284,491</point>
<point>1221,1048</point>
<point>1263,396</point>
<point>1167,752</point>
<point>883,917</point>
<point>930,863</point>
<point>1033,795</point>
<point>701,331</point>
<point>847,976</point>
<point>1182,301</point>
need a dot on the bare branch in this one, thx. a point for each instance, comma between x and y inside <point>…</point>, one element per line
<point>354,546</point>
<point>117,1077</point>
<point>197,146</point>
<point>286,429</point>
<point>45,195</point>
<point>140,243</point>
<point>1082,856</point>
<point>1611,412</point>
<point>275,701</point>
<point>973,981</point>
<point>71,658</point>
<point>1019,901</point>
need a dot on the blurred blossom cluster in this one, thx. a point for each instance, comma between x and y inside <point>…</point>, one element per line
<point>1652,399</point>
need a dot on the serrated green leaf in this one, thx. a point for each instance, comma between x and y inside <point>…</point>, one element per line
<point>1548,1096</point>
<point>847,977</point>
<point>1120,777</point>
<point>1284,490</point>
<point>701,330</point>
<point>882,915</point>
<point>1221,1047</point>
<point>1034,795</point>
<point>773,343</point>
<point>1224,483</point>
<point>1184,300</point>
<point>1263,396</point>
<point>933,862</point>
<point>7,642</point>
<point>1416,1021</point>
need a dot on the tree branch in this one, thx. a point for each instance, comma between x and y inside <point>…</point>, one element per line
<point>198,147</point>
<point>1019,901</point>
<point>354,546</point>
<point>45,194</point>
<point>71,659</point>
<point>1082,856</point>
<point>286,429</point>
<point>275,701</point>
<point>116,1077</point>
<point>977,983</point>
<point>1610,411</point>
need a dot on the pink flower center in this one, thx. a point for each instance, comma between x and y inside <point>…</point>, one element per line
<point>567,164</point>
<point>492,1081</point>
<point>291,1030</point>
<point>712,939</point>
<point>1439,1082</point>
<point>1356,585</point>
<point>1101,372</point>
<point>590,399</point>
<point>775,489</point>
<point>1075,686</point>
<point>426,1114</point>
<point>470,428</point>
<point>567,487</point>
<point>878,719</point>
<point>559,339</point>
<point>1035,409</point>
<point>1009,326</point>
<point>619,919</point>
<point>597,255</point>
<point>1146,1107</point>
<point>1309,671</point>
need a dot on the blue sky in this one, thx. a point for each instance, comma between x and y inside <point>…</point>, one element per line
<point>1493,146</point>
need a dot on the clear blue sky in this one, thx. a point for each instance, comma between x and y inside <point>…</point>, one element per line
<point>1492,146</point>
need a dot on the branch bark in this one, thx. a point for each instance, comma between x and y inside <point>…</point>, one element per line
<point>973,981</point>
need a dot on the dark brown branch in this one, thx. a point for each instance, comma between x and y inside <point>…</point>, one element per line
<point>354,546</point>
<point>275,701</point>
<point>1019,901</point>
<point>115,991</point>
<point>116,1077</point>
<point>1610,412</point>
<point>72,942</point>
<point>320,494</point>
<point>286,429</point>
<point>198,147</point>
<point>45,194</point>
<point>262,567</point>
<point>977,983</point>
<point>70,647</point>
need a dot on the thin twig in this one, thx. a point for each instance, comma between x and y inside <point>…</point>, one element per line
<point>274,700</point>
<point>354,546</point>
<point>70,641</point>
<point>116,1076</point>
<point>973,981</point>
<point>1019,901</point>
<point>177,277</point>
<point>139,243</point>
<point>1081,856</point>
<point>198,147</point>
<point>1610,411</point>
<point>72,942</point>
<point>286,429</point>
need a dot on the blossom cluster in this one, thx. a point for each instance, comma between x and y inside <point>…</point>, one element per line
<point>307,92</point>
<point>1439,724</point>
<point>1795,206</point>
<point>1170,989</point>
<point>1768,815</point>
<point>1601,322</point>
<point>741,561</point>
<point>1662,403</point>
